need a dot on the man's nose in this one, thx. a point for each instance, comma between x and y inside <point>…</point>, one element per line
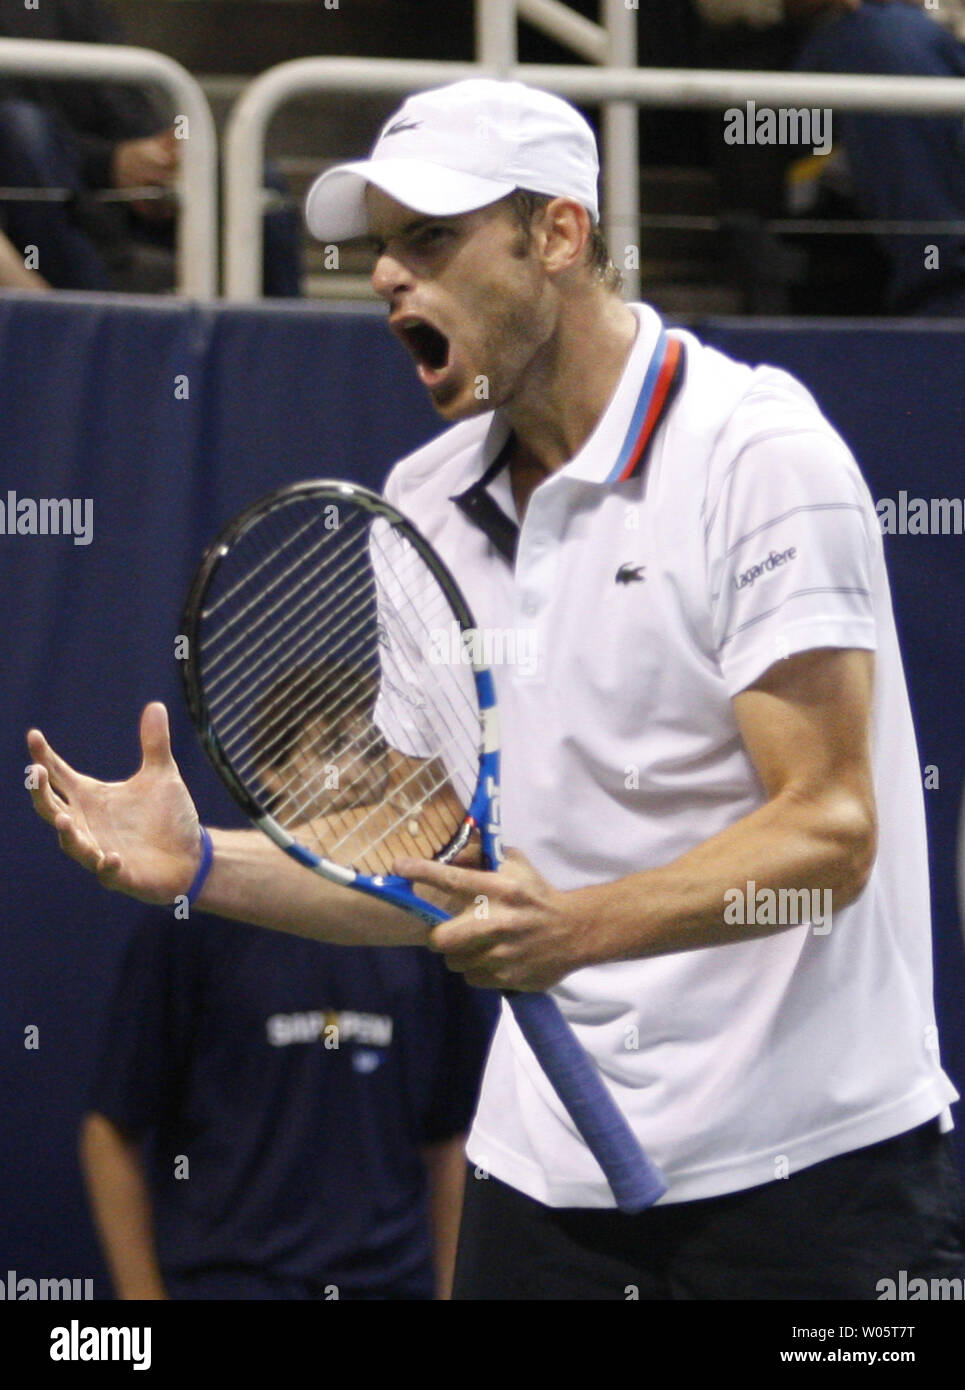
<point>390,276</point>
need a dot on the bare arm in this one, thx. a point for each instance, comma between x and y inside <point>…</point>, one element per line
<point>121,1205</point>
<point>252,880</point>
<point>446,1165</point>
<point>805,725</point>
<point>13,271</point>
<point>141,837</point>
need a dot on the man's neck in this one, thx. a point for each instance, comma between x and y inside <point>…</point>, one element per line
<point>568,392</point>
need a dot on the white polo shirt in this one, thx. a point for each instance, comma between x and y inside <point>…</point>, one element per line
<point>640,608</point>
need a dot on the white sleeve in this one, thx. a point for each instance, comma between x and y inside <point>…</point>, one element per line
<point>791,535</point>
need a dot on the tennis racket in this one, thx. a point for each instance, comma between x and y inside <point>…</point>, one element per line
<point>337,698</point>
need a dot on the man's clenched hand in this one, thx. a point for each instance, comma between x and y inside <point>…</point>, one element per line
<point>515,931</point>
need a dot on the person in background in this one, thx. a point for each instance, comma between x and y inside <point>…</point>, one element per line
<point>902,168</point>
<point>276,1119</point>
<point>87,137</point>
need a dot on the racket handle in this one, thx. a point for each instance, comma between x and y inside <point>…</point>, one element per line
<point>635,1181</point>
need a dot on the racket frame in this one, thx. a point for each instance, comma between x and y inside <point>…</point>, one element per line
<point>483,811</point>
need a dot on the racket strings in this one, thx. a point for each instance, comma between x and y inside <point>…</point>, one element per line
<point>409,798</point>
<point>245,638</point>
<point>267,657</point>
<point>433,616</point>
<point>271,653</point>
<point>253,574</point>
<point>278,744</point>
<point>347,652</point>
<point>300,647</point>
<point>327,694</point>
<point>296,796</point>
<point>268,616</point>
<point>300,640</point>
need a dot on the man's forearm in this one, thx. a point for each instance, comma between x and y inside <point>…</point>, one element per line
<point>446,1167</point>
<point>121,1206</point>
<point>252,880</point>
<point>788,843</point>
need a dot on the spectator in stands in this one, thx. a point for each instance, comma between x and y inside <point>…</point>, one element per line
<point>304,1108</point>
<point>903,168</point>
<point>86,137</point>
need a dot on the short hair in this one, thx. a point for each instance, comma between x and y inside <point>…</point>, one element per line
<point>329,692</point>
<point>523,204</point>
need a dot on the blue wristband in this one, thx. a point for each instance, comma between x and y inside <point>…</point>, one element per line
<point>207,855</point>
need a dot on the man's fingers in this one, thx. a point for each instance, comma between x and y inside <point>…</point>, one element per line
<point>462,938</point>
<point>79,846</point>
<point>76,843</point>
<point>45,800</point>
<point>60,772</point>
<point>477,958</point>
<point>448,877</point>
<point>108,871</point>
<point>155,738</point>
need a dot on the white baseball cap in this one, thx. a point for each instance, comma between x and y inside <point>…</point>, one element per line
<point>454,149</point>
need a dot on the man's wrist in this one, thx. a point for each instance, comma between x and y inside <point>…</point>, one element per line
<point>587,910</point>
<point>204,867</point>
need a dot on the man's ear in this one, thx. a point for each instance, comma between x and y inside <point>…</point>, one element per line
<point>561,232</point>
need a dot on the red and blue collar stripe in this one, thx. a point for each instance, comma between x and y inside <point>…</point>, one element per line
<point>660,386</point>
<point>663,380</point>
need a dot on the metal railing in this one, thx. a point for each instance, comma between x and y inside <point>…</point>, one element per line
<point>675,87</point>
<point>617,88</point>
<point>197,182</point>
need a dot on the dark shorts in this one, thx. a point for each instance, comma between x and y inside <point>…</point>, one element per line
<point>832,1231</point>
<point>246,1283</point>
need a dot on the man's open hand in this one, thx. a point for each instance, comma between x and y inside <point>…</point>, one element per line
<point>141,836</point>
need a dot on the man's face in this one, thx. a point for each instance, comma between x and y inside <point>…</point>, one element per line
<point>467,295</point>
<point>327,770</point>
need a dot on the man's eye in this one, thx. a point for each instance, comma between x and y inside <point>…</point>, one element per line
<point>428,237</point>
<point>420,241</point>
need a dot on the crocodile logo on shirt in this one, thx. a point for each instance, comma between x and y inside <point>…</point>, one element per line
<point>631,574</point>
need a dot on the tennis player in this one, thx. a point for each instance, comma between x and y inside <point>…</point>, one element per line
<point>710,771</point>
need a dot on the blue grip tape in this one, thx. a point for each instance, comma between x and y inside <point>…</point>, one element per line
<point>635,1180</point>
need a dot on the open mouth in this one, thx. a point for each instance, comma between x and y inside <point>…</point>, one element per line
<point>428,346</point>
